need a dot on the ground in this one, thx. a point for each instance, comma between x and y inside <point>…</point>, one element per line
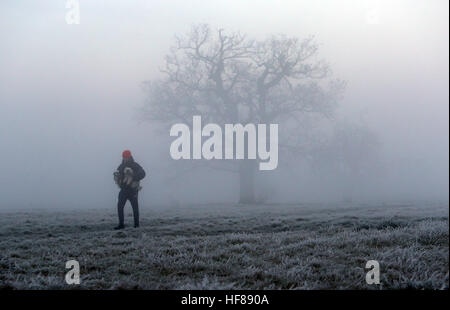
<point>213,246</point>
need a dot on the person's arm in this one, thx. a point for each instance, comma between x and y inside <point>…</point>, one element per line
<point>139,173</point>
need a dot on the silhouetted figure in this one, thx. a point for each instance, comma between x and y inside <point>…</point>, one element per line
<point>127,177</point>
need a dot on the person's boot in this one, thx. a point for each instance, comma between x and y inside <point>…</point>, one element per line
<point>119,227</point>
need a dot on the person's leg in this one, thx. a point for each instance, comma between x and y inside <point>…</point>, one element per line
<point>135,205</point>
<point>120,205</point>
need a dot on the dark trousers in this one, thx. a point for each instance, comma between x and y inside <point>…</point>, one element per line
<point>132,196</point>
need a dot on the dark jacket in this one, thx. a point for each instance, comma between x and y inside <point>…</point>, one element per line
<point>138,171</point>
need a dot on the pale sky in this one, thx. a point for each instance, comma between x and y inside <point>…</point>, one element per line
<point>68,92</point>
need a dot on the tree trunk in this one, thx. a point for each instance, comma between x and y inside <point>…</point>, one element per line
<point>247,170</point>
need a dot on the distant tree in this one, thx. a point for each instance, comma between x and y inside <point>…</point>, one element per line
<point>229,78</point>
<point>351,153</point>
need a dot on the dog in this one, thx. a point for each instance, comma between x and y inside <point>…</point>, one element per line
<point>127,176</point>
<point>117,178</point>
<point>127,179</point>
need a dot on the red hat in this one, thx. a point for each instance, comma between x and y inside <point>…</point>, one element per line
<point>126,154</point>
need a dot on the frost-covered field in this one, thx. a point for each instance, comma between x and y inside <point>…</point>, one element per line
<point>305,246</point>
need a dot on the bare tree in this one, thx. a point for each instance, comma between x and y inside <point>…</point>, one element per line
<point>229,78</point>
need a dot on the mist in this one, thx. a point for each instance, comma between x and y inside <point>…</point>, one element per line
<point>71,97</point>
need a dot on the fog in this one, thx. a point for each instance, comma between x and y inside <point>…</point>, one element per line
<point>71,94</point>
